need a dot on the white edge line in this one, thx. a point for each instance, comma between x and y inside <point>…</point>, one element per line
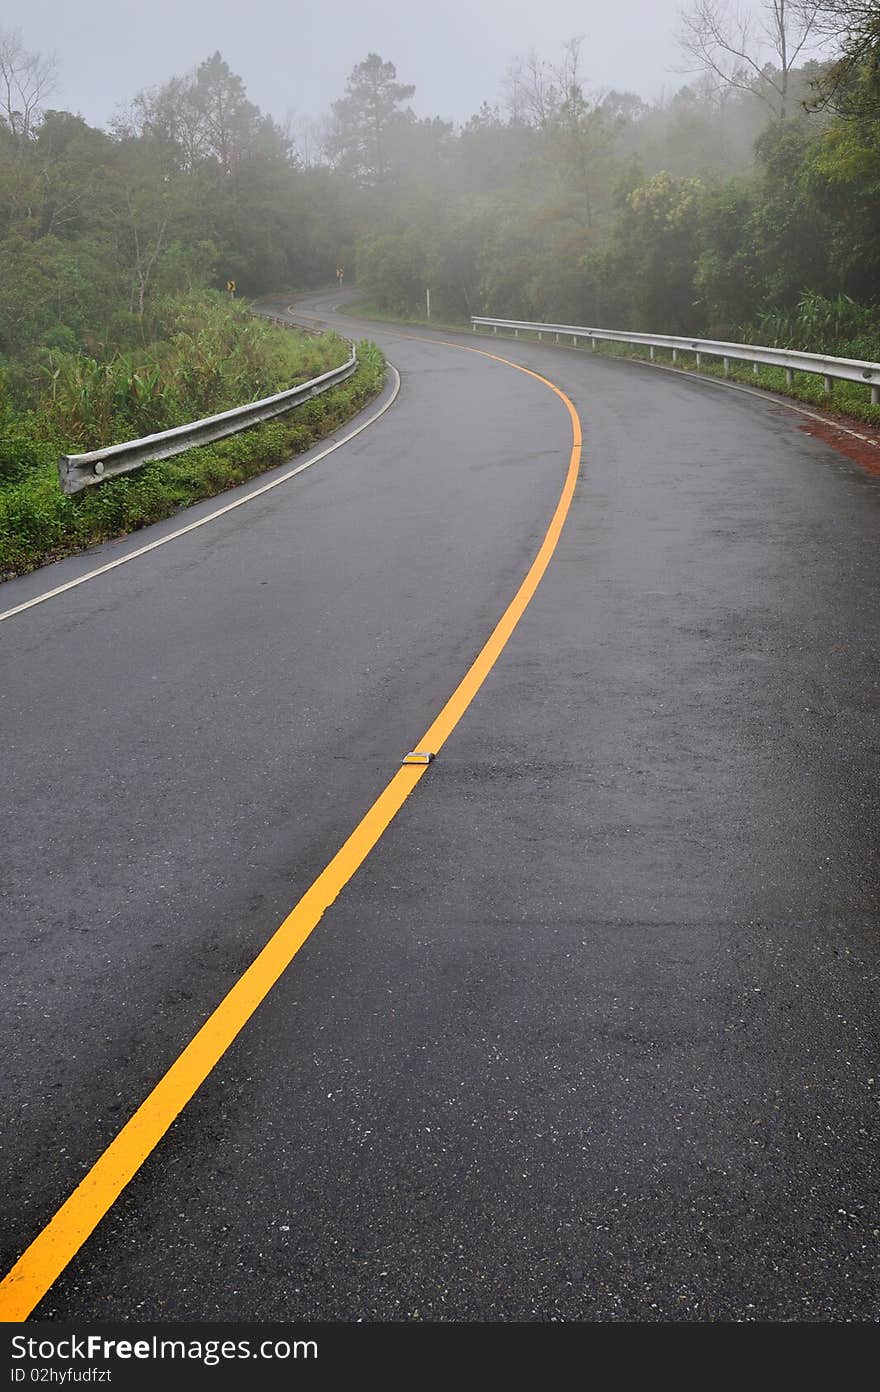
<point>211,517</point>
<point>765,394</point>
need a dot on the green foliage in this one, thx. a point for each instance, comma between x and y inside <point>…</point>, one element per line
<point>208,354</point>
<point>657,251</point>
<point>53,295</point>
<point>727,280</point>
<point>368,121</point>
<point>391,270</point>
<point>851,83</point>
<point>23,444</point>
<point>839,327</point>
<point>38,523</point>
<point>690,214</point>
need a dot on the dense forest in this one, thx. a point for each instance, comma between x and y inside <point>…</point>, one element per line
<point>752,189</point>
<point>112,325</point>
<point>746,204</point>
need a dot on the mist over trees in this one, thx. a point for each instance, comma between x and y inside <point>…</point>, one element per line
<point>752,190</point>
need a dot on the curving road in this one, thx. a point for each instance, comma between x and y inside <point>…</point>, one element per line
<point>591,1033</point>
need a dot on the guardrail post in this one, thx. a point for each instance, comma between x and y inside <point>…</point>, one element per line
<point>829,369</point>
<point>78,471</point>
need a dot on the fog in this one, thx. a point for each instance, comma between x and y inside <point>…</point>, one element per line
<point>295,58</point>
<point>604,184</point>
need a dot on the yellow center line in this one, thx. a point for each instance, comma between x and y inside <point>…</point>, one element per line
<point>63,1236</point>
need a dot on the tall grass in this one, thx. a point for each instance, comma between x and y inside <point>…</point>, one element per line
<point>839,327</point>
<point>209,354</point>
<point>214,355</point>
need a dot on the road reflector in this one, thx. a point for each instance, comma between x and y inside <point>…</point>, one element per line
<point>418,756</point>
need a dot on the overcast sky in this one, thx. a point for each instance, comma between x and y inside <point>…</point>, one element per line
<point>295,57</point>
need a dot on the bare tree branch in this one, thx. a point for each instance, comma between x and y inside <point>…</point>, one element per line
<point>852,28</point>
<point>26,79</point>
<point>748,52</point>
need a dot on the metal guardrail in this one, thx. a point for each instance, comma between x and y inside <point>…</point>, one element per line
<point>78,471</point>
<point>847,369</point>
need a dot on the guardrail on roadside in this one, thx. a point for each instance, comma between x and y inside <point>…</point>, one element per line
<point>78,471</point>
<point>846,369</point>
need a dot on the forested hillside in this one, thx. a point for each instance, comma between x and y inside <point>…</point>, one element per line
<point>114,246</point>
<point>745,204</point>
<point>721,210</point>
<point>714,208</point>
<point>721,206</point>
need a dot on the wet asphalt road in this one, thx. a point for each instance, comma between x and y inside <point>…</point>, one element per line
<point>592,1033</point>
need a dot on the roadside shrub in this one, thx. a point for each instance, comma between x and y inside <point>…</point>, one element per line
<point>38,523</point>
